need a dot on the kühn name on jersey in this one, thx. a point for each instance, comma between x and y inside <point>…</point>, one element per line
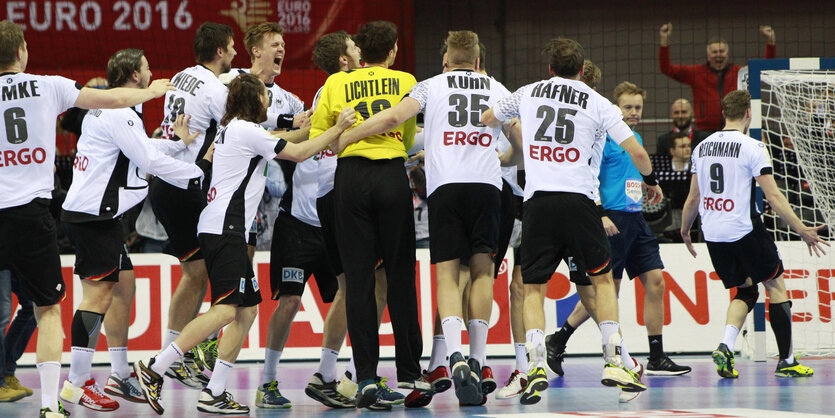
<point>719,149</point>
<point>561,92</point>
<point>28,88</point>
<point>363,88</point>
<point>464,82</point>
<point>187,83</point>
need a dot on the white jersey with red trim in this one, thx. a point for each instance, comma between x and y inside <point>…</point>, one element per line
<point>238,177</point>
<point>561,124</point>
<point>725,164</point>
<point>29,106</point>
<point>459,148</point>
<point>283,104</point>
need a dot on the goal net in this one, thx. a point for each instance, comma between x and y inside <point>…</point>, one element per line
<point>798,125</point>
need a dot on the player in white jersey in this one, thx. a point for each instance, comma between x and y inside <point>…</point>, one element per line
<point>238,182</point>
<point>725,167</point>
<point>200,94</point>
<point>28,242</point>
<point>560,118</point>
<point>463,180</point>
<point>114,154</point>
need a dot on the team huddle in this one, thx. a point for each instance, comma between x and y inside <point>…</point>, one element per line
<point>347,217</point>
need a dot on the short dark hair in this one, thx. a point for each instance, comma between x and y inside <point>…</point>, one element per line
<point>209,37</point>
<point>244,99</point>
<point>735,103</point>
<point>717,40</point>
<point>11,39</point>
<point>122,64</point>
<point>255,34</point>
<point>376,39</point>
<point>671,141</point>
<point>328,49</point>
<point>565,56</point>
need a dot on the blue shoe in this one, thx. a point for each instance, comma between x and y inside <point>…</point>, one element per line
<point>369,396</point>
<point>387,395</point>
<point>268,396</point>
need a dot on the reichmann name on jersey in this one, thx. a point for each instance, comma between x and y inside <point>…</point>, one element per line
<point>359,89</point>
<point>720,149</point>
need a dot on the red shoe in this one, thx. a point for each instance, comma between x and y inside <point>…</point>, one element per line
<point>417,399</point>
<point>439,378</point>
<point>89,395</point>
<point>488,383</point>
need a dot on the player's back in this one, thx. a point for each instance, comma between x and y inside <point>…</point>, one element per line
<point>725,164</point>
<point>29,105</point>
<point>369,90</point>
<point>459,148</point>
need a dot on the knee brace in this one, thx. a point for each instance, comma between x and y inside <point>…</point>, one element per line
<point>86,327</point>
<point>749,295</point>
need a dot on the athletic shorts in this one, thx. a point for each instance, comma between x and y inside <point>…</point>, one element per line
<point>754,255</point>
<point>557,225</point>
<point>297,251</point>
<point>507,214</point>
<point>29,247</point>
<point>252,236</point>
<point>463,220</point>
<point>231,278</point>
<point>178,211</point>
<point>635,247</point>
<point>100,250</point>
<point>326,211</point>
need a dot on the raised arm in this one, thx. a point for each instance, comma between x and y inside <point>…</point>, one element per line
<point>682,73</point>
<point>778,202</point>
<point>770,41</point>
<point>120,97</point>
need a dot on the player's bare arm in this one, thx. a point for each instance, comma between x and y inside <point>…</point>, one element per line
<point>514,156</point>
<point>809,234</point>
<point>489,119</point>
<point>380,122</point>
<point>304,150</point>
<point>642,162</point>
<point>664,32</point>
<point>294,137</point>
<point>120,97</point>
<point>768,33</point>
<point>689,212</point>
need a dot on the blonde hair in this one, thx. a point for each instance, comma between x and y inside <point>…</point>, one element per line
<point>628,88</point>
<point>462,48</point>
<point>591,74</point>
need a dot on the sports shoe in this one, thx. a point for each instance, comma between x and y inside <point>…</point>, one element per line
<point>385,394</point>
<point>439,378</point>
<point>221,404</point>
<point>200,375</point>
<point>724,360</point>
<point>268,396</point>
<point>626,396</point>
<point>370,396</point>
<point>537,382</point>
<point>10,394</point>
<point>347,387</point>
<point>13,383</point>
<point>151,384</point>
<point>467,387</point>
<point>795,369</point>
<point>488,382</point>
<point>205,354</point>
<point>417,399</point>
<point>182,375</point>
<point>127,389</point>
<point>90,396</point>
<point>48,413</point>
<point>514,387</point>
<point>421,384</point>
<point>665,366</point>
<point>555,354</point>
<point>622,377</point>
<point>326,393</point>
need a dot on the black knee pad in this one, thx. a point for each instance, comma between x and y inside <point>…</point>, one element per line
<point>749,295</point>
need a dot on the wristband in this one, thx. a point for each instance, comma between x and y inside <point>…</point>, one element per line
<point>601,211</point>
<point>650,179</point>
<point>176,138</point>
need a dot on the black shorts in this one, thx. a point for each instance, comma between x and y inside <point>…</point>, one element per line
<point>297,251</point>
<point>325,209</point>
<point>635,247</point>
<point>100,250</point>
<point>178,211</point>
<point>463,220</point>
<point>231,278</point>
<point>557,225</point>
<point>252,236</point>
<point>754,255</point>
<point>29,247</point>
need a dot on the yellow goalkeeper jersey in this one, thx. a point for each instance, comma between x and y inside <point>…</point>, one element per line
<point>368,90</point>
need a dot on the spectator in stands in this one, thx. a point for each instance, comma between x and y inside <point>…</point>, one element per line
<point>417,178</point>
<point>13,342</point>
<point>712,80</point>
<point>682,114</point>
<point>673,170</point>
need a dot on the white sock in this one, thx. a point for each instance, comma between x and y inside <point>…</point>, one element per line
<point>438,357</point>
<point>478,340</point>
<point>119,362</point>
<point>452,326</point>
<point>217,384</point>
<point>166,358</point>
<point>352,369</point>
<point>170,336</point>
<point>80,363</point>
<point>271,359</point>
<point>49,372</point>
<point>327,364</point>
<point>607,329</point>
<point>535,336</point>
<point>731,332</point>
<point>521,357</point>
<point>790,358</point>
<point>624,355</point>
<point>536,339</point>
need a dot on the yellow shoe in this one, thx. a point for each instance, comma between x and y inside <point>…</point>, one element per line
<point>13,383</point>
<point>784,369</point>
<point>8,394</point>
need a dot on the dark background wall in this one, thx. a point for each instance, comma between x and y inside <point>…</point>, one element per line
<point>621,38</point>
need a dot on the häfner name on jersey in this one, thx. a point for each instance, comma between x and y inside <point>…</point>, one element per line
<point>560,92</point>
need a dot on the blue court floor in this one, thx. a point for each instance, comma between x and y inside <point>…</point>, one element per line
<point>757,393</point>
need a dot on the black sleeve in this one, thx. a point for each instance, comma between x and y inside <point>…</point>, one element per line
<point>279,146</point>
<point>284,121</point>
<point>766,170</point>
<point>72,120</point>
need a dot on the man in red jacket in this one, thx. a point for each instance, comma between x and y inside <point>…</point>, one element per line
<point>712,80</point>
